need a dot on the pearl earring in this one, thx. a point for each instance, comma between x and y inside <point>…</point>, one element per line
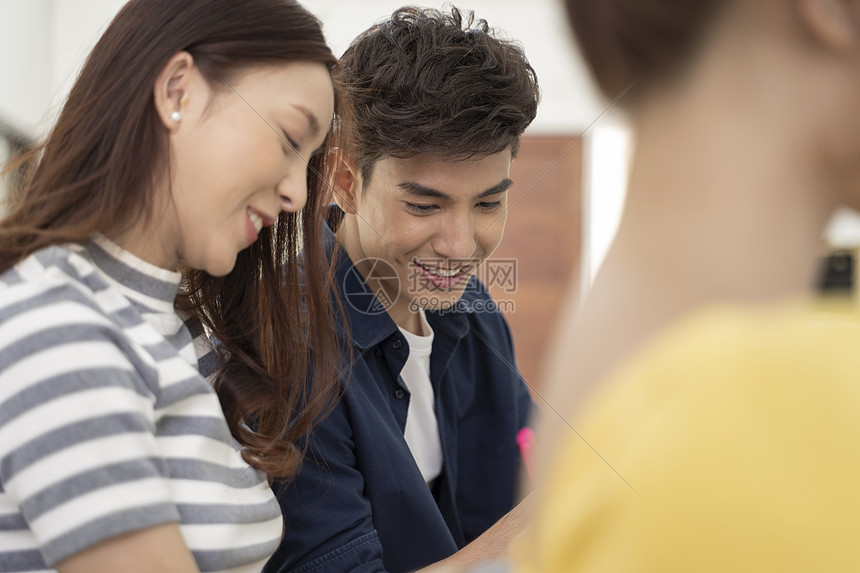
<point>175,116</point>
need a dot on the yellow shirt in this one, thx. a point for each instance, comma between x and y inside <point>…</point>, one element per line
<point>739,431</point>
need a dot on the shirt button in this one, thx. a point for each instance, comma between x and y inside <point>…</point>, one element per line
<point>379,352</point>
<point>399,393</point>
<point>398,344</point>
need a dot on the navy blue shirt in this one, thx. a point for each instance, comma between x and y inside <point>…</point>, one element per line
<point>360,502</point>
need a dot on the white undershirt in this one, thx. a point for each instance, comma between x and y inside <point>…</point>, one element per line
<point>422,430</point>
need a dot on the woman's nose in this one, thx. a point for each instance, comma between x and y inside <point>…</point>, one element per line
<point>293,192</point>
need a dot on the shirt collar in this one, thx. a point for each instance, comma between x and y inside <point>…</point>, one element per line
<point>139,280</point>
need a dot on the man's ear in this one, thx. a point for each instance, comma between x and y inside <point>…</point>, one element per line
<point>171,90</point>
<point>835,24</point>
<point>345,180</point>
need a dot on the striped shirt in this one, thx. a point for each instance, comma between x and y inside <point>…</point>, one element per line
<point>107,426</point>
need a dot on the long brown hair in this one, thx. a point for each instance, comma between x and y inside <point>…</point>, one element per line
<point>97,171</point>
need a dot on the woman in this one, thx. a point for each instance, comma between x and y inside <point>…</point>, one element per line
<point>721,432</point>
<point>182,147</point>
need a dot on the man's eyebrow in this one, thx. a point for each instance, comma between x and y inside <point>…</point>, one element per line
<point>312,119</point>
<point>423,191</point>
<point>496,189</point>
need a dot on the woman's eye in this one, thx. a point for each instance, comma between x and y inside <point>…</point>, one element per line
<point>291,145</point>
<point>489,205</point>
<point>420,209</point>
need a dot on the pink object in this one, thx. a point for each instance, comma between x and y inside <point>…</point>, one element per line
<point>526,441</point>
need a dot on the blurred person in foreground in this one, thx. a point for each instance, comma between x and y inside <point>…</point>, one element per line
<point>420,457</point>
<point>724,410</point>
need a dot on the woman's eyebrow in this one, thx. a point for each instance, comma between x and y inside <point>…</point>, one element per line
<point>312,119</point>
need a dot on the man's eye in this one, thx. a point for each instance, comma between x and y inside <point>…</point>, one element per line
<point>421,209</point>
<point>489,205</point>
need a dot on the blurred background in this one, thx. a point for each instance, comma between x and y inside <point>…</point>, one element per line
<point>569,176</point>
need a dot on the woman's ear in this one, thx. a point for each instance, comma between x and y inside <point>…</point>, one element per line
<point>834,24</point>
<point>345,180</point>
<point>171,90</point>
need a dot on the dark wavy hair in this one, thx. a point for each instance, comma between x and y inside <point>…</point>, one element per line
<point>637,43</point>
<point>427,82</point>
<point>96,173</point>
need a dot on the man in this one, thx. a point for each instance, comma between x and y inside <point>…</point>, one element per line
<point>419,457</point>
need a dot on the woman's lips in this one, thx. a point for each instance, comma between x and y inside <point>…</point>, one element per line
<point>255,221</point>
<point>251,231</point>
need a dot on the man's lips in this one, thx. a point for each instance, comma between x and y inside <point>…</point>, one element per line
<point>444,277</point>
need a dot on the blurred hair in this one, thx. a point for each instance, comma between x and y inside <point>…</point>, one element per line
<point>641,41</point>
<point>101,164</point>
<point>427,82</point>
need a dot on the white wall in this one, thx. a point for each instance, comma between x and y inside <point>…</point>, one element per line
<point>607,155</point>
<point>5,152</point>
<point>43,44</point>
<point>75,27</point>
<point>25,53</point>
